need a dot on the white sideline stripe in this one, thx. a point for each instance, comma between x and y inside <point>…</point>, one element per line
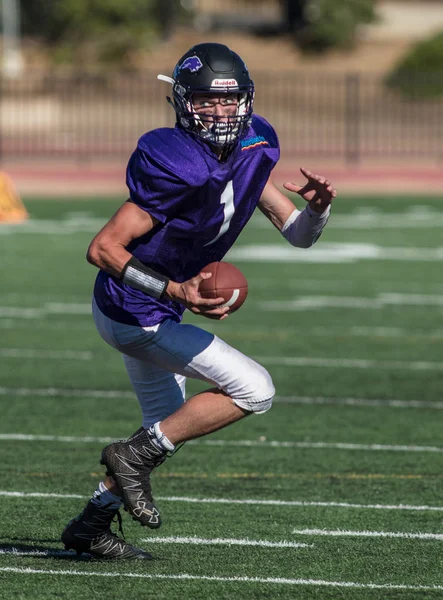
<point>383,534</point>
<point>252,502</point>
<point>45,354</point>
<point>347,363</point>
<point>119,394</point>
<point>245,579</point>
<point>25,437</point>
<point>224,542</point>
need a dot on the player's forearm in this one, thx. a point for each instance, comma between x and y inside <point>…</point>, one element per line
<point>111,259</point>
<point>275,206</point>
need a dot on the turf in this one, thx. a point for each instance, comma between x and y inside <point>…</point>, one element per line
<point>351,445</point>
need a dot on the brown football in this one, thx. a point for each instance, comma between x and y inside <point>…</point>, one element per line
<point>226,282</point>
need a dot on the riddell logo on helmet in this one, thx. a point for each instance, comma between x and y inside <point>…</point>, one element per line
<point>224,83</point>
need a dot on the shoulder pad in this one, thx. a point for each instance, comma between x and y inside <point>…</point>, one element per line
<point>175,151</point>
<point>260,134</point>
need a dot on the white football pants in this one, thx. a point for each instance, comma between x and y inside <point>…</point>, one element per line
<point>158,360</point>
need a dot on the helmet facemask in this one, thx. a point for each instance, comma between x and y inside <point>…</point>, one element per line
<point>214,130</point>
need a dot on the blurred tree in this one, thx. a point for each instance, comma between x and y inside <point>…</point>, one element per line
<point>294,14</point>
<point>97,30</point>
<point>419,74</point>
<point>319,25</point>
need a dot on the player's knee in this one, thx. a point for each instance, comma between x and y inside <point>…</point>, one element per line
<point>261,393</point>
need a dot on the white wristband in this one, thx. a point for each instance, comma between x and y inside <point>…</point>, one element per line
<point>303,228</point>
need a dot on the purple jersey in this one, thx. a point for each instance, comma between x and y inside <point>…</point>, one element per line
<point>202,204</point>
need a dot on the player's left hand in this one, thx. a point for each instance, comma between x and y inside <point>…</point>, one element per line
<point>318,190</point>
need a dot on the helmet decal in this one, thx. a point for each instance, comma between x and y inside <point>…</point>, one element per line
<point>193,63</point>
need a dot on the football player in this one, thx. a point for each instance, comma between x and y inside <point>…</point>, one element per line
<point>192,190</point>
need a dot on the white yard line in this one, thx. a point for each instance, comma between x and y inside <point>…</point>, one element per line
<point>51,553</point>
<point>11,317</point>
<point>49,308</point>
<point>45,354</point>
<point>379,332</point>
<point>364,218</point>
<point>39,495</point>
<point>382,300</point>
<point>318,445</point>
<point>374,219</point>
<point>240,579</point>
<point>66,393</point>
<point>268,281</point>
<point>341,285</point>
<point>308,400</point>
<point>16,317</point>
<point>223,542</point>
<point>25,437</point>
<point>54,227</point>
<point>372,534</point>
<point>252,502</point>
<point>332,252</point>
<point>347,363</point>
<point>233,443</point>
<point>16,322</point>
<point>301,503</point>
<point>281,361</point>
<point>170,540</point>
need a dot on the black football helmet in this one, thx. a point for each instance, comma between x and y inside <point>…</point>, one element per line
<point>213,69</point>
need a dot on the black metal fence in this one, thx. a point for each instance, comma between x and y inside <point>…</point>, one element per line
<point>348,116</point>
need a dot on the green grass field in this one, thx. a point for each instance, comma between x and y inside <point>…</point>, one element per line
<point>335,493</point>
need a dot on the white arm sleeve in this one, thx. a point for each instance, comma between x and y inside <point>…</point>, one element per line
<point>303,228</point>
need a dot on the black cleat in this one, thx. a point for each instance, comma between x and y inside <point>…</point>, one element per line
<point>130,463</point>
<point>91,532</point>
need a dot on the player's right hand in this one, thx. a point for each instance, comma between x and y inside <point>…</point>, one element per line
<point>187,294</point>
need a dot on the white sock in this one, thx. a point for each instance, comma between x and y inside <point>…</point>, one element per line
<point>103,497</point>
<point>162,439</point>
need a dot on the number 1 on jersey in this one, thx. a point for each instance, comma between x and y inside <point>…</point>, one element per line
<point>227,198</point>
